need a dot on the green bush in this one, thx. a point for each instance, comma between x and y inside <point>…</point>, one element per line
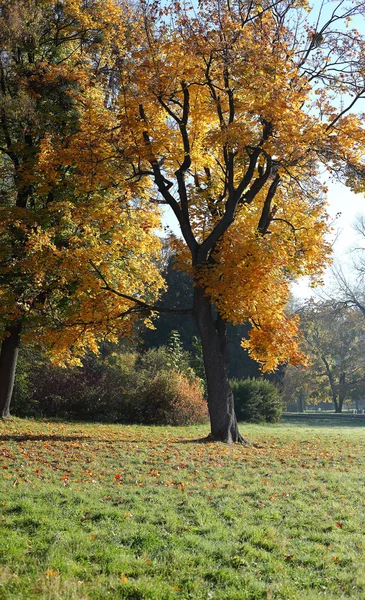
<point>155,360</point>
<point>256,400</point>
<point>170,398</point>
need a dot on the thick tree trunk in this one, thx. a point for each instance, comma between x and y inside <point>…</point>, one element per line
<point>8,361</point>
<point>220,397</point>
<point>335,402</point>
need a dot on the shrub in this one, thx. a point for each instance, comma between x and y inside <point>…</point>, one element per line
<point>170,398</point>
<point>256,400</point>
<point>113,387</point>
<point>102,390</point>
<point>155,360</point>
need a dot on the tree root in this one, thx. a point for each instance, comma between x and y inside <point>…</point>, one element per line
<point>242,440</point>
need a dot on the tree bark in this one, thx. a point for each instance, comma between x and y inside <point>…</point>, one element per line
<point>8,361</point>
<point>301,402</point>
<point>341,391</point>
<point>220,396</point>
<point>335,402</point>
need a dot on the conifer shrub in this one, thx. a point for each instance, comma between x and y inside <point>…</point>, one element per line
<point>171,398</point>
<point>256,400</point>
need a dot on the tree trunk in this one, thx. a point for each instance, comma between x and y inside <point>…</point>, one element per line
<point>8,361</point>
<point>341,391</point>
<point>301,402</point>
<point>220,396</point>
<point>335,402</point>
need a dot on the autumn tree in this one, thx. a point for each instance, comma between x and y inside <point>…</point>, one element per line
<point>231,110</point>
<point>63,210</point>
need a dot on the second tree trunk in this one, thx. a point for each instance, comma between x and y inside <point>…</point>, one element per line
<point>8,361</point>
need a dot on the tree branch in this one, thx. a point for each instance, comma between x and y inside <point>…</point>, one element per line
<point>164,186</point>
<point>144,306</point>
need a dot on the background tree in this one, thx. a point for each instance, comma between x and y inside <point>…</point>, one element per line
<point>298,386</point>
<point>63,212</point>
<point>333,341</point>
<point>230,110</point>
<point>348,289</point>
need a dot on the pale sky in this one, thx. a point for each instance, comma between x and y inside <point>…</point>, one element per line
<point>347,206</point>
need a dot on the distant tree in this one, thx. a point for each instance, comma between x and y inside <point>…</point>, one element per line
<point>334,343</point>
<point>298,384</point>
<point>348,290</point>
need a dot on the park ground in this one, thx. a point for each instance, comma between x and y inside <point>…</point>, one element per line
<point>93,511</point>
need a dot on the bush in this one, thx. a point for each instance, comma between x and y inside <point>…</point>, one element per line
<point>100,390</point>
<point>256,400</point>
<point>155,360</point>
<point>170,398</point>
<point>113,387</point>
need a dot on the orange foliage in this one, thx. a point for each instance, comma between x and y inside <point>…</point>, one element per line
<point>231,112</point>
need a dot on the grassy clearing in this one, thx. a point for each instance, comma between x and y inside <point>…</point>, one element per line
<point>96,511</point>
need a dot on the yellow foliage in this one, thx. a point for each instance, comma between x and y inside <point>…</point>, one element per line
<point>220,113</point>
<point>78,241</point>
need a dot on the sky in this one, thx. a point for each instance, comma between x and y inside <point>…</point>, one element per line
<point>343,208</point>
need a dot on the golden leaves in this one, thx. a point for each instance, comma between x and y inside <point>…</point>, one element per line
<point>82,210</point>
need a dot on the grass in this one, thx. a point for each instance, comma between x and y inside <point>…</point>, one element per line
<point>105,511</point>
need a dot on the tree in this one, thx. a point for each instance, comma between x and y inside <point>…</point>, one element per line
<point>230,111</point>
<point>298,385</point>
<point>333,339</point>
<point>63,212</point>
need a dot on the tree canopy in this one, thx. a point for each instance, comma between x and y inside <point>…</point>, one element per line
<point>64,210</point>
<point>232,110</point>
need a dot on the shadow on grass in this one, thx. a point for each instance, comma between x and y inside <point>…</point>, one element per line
<point>93,438</point>
<point>334,421</point>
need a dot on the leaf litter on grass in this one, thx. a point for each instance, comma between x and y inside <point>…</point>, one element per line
<point>149,512</point>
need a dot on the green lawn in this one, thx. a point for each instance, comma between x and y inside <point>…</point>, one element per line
<point>106,511</point>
